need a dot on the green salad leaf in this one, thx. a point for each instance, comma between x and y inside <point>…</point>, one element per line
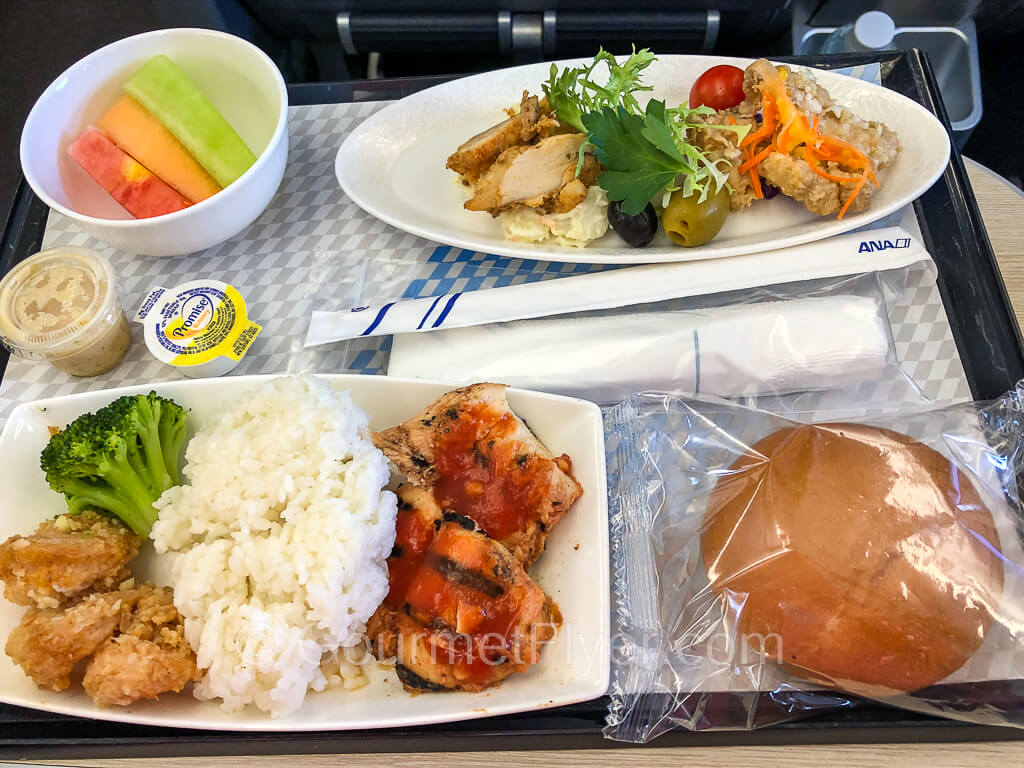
<point>643,151</point>
<point>644,154</point>
<point>573,93</point>
<point>635,167</point>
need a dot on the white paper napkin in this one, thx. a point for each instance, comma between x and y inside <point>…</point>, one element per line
<point>770,347</point>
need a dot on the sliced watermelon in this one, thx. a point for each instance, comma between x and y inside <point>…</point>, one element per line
<point>137,190</point>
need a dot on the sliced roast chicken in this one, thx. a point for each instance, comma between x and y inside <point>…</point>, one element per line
<point>477,154</point>
<point>529,160</point>
<point>541,176</point>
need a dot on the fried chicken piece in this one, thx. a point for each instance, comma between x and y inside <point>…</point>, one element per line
<point>720,144</point>
<point>791,173</point>
<point>126,669</point>
<point>805,92</point>
<point>49,642</point>
<point>794,178</point>
<point>149,656</point>
<point>477,154</point>
<point>461,614</point>
<point>482,461</point>
<point>871,137</point>
<point>65,557</point>
<point>541,176</point>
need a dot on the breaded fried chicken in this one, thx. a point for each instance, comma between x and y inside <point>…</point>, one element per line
<point>135,635</point>
<point>49,642</point>
<point>65,557</point>
<point>815,151</point>
<point>149,656</point>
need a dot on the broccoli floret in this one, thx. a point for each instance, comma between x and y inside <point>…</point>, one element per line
<point>119,459</point>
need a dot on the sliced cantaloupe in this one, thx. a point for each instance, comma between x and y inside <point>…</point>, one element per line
<point>168,94</point>
<point>137,190</point>
<point>144,137</point>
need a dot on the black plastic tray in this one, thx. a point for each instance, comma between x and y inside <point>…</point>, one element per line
<point>990,346</point>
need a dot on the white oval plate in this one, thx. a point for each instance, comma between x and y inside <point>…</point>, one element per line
<point>573,569</point>
<point>392,166</point>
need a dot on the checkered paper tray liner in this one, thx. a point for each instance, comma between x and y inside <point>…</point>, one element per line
<point>311,232</point>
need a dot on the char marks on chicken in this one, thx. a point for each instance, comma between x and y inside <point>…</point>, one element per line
<point>480,460</point>
<point>461,613</point>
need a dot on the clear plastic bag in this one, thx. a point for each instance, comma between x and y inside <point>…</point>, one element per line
<point>797,347</point>
<point>764,569</point>
<point>334,283</point>
<point>652,347</point>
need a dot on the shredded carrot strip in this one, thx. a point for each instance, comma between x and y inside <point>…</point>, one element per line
<point>813,162</point>
<point>753,161</point>
<point>755,182</point>
<point>768,125</point>
<point>853,194</point>
<point>797,130</point>
<point>755,178</point>
<point>748,145</point>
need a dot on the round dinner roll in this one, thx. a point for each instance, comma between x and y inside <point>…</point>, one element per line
<point>856,556</point>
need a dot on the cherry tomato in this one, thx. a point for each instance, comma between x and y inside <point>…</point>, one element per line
<point>720,87</point>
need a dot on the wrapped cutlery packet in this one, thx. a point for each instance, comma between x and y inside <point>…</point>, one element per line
<point>808,318</point>
<point>766,569</point>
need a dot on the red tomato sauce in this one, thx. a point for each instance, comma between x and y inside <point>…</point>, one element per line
<point>413,537</point>
<point>487,476</point>
<point>467,628</point>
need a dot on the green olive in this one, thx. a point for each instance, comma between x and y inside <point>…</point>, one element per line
<point>688,222</point>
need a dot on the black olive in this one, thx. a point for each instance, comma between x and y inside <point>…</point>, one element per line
<point>768,190</point>
<point>637,230</point>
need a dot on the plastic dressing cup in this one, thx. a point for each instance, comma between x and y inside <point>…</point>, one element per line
<point>61,305</point>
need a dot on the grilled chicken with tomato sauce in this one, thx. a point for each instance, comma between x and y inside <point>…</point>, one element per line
<point>461,613</point>
<point>481,461</point>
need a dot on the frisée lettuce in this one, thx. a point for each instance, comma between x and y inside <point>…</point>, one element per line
<point>644,152</point>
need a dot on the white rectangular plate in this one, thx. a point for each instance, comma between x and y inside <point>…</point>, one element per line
<point>573,569</point>
<point>393,165</point>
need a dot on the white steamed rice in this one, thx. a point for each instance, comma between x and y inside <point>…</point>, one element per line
<point>279,543</point>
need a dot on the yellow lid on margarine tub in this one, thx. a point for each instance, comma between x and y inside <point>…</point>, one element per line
<point>200,327</point>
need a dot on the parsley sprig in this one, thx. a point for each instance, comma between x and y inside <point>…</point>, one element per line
<point>644,154</point>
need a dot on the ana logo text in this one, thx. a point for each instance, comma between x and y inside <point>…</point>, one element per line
<point>870,246</point>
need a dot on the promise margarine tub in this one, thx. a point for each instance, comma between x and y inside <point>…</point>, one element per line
<point>200,327</point>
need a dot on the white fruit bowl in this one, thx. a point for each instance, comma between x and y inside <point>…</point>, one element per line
<point>239,79</point>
